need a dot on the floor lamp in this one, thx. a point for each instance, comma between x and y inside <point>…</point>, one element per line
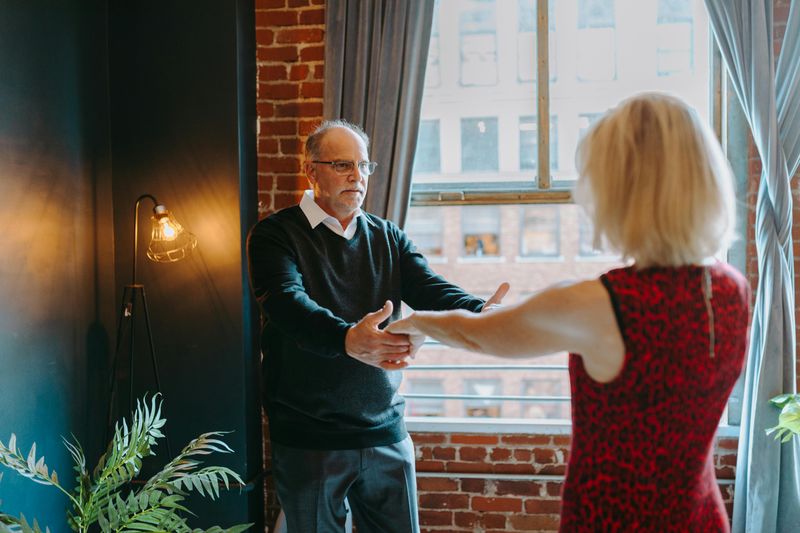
<point>169,243</point>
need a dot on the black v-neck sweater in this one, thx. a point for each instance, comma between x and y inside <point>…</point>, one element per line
<point>312,286</point>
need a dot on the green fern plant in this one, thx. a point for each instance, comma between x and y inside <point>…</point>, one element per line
<point>109,499</point>
<point>789,419</point>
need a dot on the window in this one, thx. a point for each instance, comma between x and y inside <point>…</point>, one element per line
<point>596,44</point>
<point>425,406</point>
<point>529,144</point>
<point>674,54</point>
<point>480,227</point>
<point>541,231</point>
<point>478,43</point>
<point>432,75</point>
<point>424,227</point>
<point>428,155</point>
<point>504,214</point>
<point>490,407</point>
<point>479,144</point>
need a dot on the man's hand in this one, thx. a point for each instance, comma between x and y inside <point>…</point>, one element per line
<point>494,301</point>
<point>405,326</point>
<point>377,347</point>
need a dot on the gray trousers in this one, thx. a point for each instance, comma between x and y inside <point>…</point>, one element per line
<point>379,484</point>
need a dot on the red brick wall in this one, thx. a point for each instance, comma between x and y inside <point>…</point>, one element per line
<point>290,53</point>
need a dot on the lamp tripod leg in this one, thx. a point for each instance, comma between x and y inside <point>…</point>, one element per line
<point>124,311</point>
<point>153,355</point>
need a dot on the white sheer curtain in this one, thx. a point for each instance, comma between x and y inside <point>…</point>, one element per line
<point>767,497</point>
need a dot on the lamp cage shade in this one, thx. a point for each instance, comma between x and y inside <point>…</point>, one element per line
<point>169,242</point>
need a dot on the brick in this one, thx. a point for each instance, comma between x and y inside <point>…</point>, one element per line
<point>264,37</point>
<point>267,146</point>
<point>291,146</point>
<point>424,453</point>
<point>466,519</point>
<point>265,109</point>
<point>305,35</point>
<point>444,453</point>
<point>473,439</point>
<point>552,470</point>
<point>468,467</point>
<point>493,520</point>
<point>430,466</point>
<point>534,522</point>
<point>562,440</point>
<point>272,73</point>
<point>437,484</point>
<point>312,16</point>
<point>505,487</point>
<point>286,200</point>
<point>278,127</point>
<point>307,126</point>
<point>477,486</point>
<point>429,438</point>
<point>539,506</point>
<point>500,454</point>
<point>468,453</point>
<point>436,518</point>
<point>279,165</point>
<point>535,440</point>
<point>725,472</point>
<point>298,72</point>
<point>444,501</point>
<point>282,53</point>
<point>298,3</point>
<point>265,184</point>
<point>312,90</point>
<point>276,18</point>
<point>278,91</point>
<point>727,459</point>
<point>544,456</point>
<point>728,444</point>
<point>299,109</point>
<point>514,468</point>
<point>319,72</point>
<point>286,183</point>
<point>270,4</point>
<point>523,455</point>
<point>481,503</point>
<point>312,53</point>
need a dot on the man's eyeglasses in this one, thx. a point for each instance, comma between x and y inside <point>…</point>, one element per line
<point>344,168</point>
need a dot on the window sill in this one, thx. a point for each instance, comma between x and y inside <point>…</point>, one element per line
<point>423,424</point>
<point>484,259</point>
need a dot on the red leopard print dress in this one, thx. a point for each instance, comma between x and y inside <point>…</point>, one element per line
<point>641,455</point>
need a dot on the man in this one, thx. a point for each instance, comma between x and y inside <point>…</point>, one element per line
<point>328,276</point>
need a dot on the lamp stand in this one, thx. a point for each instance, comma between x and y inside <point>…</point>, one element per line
<point>127,322</point>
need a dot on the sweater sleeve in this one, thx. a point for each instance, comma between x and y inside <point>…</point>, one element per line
<point>278,286</point>
<point>423,289</point>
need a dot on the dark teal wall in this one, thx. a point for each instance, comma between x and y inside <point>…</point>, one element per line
<point>55,216</point>
<point>101,101</point>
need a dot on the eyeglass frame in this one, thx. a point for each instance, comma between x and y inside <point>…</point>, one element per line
<point>369,169</point>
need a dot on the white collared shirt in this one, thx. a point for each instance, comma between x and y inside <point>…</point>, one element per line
<point>316,215</point>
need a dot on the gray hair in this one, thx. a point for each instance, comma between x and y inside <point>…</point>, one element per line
<point>315,139</point>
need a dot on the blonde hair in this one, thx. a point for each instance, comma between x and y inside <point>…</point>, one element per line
<point>655,183</point>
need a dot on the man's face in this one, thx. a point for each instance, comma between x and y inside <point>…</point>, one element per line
<point>340,195</point>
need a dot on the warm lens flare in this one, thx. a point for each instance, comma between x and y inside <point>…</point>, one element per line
<point>168,230</point>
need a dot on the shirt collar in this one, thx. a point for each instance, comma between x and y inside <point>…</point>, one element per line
<point>316,215</point>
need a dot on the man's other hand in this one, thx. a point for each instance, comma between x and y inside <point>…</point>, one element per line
<point>376,347</point>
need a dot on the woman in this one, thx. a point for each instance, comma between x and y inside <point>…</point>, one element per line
<point>655,347</point>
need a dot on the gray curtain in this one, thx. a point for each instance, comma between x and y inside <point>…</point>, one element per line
<point>375,56</point>
<point>767,497</point>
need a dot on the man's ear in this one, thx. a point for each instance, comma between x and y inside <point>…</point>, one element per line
<point>311,173</point>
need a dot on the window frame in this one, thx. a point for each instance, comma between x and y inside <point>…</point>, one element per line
<point>730,126</point>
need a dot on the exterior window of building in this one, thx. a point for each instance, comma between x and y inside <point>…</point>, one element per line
<point>483,408</point>
<point>675,37</point>
<point>479,144</point>
<point>424,227</point>
<point>597,41</point>
<point>428,155</point>
<point>480,227</point>
<point>477,30</point>
<point>425,406</point>
<point>526,41</point>
<point>549,384</point>
<point>541,231</point>
<point>529,144</point>
<point>433,77</point>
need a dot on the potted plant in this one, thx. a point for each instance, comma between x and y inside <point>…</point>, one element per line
<point>107,497</point>
<point>789,419</point>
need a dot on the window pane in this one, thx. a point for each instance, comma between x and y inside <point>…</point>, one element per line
<point>483,387</point>
<point>541,230</point>
<point>529,145</point>
<point>675,29</point>
<point>424,227</point>
<point>425,406</point>
<point>428,155</point>
<point>478,43</point>
<point>480,227</point>
<point>479,144</point>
